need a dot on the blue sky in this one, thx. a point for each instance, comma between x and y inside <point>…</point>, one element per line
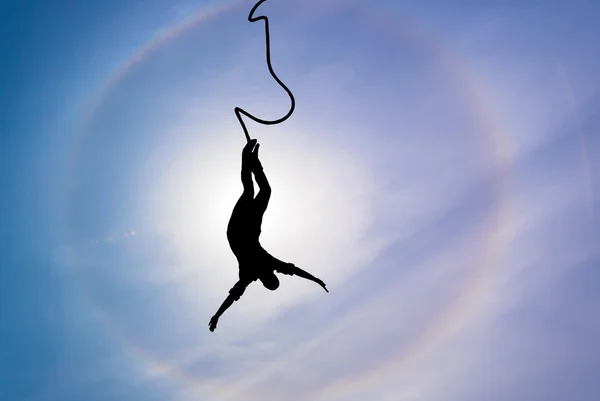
<point>440,174</point>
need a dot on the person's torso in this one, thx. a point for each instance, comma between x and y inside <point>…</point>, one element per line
<point>253,262</point>
<point>245,225</point>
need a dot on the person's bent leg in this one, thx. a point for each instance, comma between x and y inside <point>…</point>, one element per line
<point>264,193</point>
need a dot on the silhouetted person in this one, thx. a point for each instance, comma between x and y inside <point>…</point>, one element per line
<point>243,231</point>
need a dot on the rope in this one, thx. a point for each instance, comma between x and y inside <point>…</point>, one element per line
<point>239,111</point>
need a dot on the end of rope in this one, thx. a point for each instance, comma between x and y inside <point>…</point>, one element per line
<point>251,17</point>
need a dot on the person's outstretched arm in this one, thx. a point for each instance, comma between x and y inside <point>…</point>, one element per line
<point>234,294</point>
<point>292,270</point>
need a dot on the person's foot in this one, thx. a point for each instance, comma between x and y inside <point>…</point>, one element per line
<point>255,164</point>
<point>250,145</point>
<point>248,149</point>
<point>247,155</point>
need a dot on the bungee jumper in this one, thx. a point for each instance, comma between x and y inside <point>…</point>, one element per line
<point>244,228</point>
<point>243,232</point>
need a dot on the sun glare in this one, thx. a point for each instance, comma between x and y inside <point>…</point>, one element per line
<point>317,217</point>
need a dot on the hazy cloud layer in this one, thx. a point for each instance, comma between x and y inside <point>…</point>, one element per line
<point>440,173</point>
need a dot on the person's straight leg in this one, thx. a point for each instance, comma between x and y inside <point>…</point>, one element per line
<point>243,207</point>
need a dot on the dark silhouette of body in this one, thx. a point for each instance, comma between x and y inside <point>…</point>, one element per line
<point>243,231</point>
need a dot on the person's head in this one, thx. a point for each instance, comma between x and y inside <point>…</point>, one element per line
<point>269,280</point>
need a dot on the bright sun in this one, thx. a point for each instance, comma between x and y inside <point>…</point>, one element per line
<point>319,212</point>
